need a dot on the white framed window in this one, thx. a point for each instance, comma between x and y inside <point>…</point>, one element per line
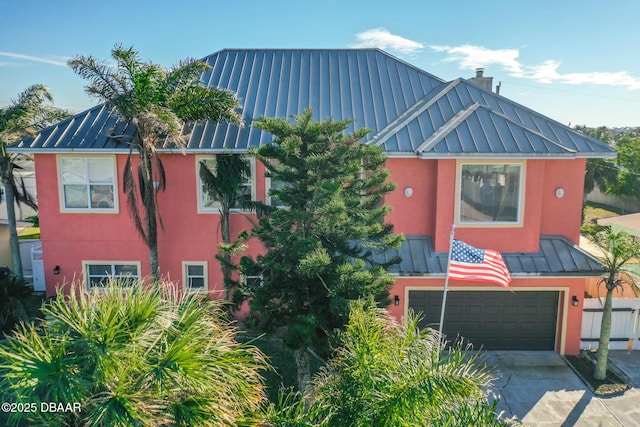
<point>88,183</point>
<point>98,273</point>
<point>490,193</point>
<point>195,276</point>
<point>208,202</point>
<point>272,200</point>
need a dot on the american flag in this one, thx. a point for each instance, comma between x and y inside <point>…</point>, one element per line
<point>477,265</point>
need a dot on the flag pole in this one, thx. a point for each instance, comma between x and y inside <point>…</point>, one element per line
<point>446,284</point>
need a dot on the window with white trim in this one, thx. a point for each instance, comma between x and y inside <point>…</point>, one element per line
<point>272,200</point>
<point>209,202</point>
<point>98,273</point>
<point>490,193</point>
<point>88,183</point>
<point>194,275</point>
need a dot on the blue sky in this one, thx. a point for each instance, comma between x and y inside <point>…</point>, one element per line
<point>574,61</point>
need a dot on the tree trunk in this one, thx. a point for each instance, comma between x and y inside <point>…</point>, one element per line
<point>600,371</point>
<point>226,238</point>
<point>152,234</point>
<point>304,368</point>
<point>153,261</point>
<point>13,232</point>
<point>152,231</point>
<point>152,222</point>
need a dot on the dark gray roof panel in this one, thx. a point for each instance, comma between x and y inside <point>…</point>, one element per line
<point>410,111</point>
<point>92,129</point>
<point>483,132</point>
<point>557,256</point>
<point>569,138</point>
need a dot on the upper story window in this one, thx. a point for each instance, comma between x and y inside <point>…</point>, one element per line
<point>88,183</point>
<point>208,201</point>
<point>490,193</point>
<point>272,200</point>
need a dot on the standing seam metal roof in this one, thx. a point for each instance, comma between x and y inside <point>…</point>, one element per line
<point>557,256</point>
<point>410,111</point>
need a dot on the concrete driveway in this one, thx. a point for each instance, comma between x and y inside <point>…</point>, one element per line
<point>540,389</point>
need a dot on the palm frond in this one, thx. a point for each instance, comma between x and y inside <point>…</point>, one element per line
<point>130,189</point>
<point>29,113</point>
<point>134,355</point>
<point>104,82</point>
<point>21,193</point>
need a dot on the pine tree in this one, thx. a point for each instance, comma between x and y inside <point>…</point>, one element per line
<point>323,247</point>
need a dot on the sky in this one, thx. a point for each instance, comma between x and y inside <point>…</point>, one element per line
<point>575,61</point>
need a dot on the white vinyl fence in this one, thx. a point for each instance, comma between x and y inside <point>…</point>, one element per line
<point>625,325</point>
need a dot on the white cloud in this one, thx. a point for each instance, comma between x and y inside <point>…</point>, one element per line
<point>470,57</point>
<point>383,39</point>
<point>33,59</point>
<point>547,72</point>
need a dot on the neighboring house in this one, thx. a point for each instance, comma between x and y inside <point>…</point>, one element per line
<point>629,224</point>
<point>509,178</point>
<point>26,174</point>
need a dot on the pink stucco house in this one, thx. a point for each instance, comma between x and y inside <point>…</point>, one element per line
<point>509,178</point>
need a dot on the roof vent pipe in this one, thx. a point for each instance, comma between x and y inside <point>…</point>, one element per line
<point>479,72</point>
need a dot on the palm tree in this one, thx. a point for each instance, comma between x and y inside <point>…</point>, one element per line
<point>25,116</point>
<point>617,248</point>
<point>390,374</point>
<point>158,103</point>
<point>132,355</point>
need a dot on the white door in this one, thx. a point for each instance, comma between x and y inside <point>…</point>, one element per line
<point>38,269</point>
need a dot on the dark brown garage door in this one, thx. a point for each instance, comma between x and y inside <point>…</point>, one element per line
<point>522,320</point>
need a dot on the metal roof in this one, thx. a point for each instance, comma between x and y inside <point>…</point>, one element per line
<point>557,256</point>
<point>410,111</point>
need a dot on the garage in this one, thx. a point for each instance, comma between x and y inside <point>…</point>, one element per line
<point>493,320</point>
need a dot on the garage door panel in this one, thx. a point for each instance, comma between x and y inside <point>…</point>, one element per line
<point>520,320</point>
<point>492,310</point>
<point>470,311</point>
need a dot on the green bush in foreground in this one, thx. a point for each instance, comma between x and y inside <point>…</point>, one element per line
<point>390,374</point>
<point>132,355</point>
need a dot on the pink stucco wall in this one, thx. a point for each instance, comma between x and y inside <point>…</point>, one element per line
<point>430,210</point>
<point>69,238</point>
<point>413,215</point>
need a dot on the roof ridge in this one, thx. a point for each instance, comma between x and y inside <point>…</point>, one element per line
<point>517,105</point>
<point>527,129</point>
<point>462,115</point>
<point>447,127</point>
<point>410,114</point>
<point>338,49</point>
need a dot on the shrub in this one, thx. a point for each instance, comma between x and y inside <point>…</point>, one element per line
<point>132,355</point>
<point>14,291</point>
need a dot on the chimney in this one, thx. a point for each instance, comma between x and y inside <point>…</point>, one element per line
<point>479,79</point>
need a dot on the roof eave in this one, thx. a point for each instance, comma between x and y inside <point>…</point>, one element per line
<point>489,156</point>
<point>554,275</point>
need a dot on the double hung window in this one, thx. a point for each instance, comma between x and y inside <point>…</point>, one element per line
<point>208,201</point>
<point>88,183</point>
